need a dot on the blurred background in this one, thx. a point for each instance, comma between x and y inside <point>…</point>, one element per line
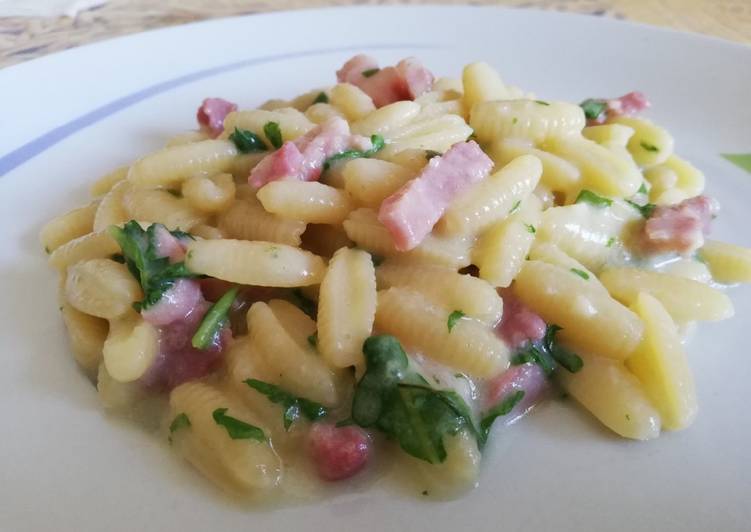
<point>32,28</point>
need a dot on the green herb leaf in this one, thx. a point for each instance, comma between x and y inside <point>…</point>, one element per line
<point>308,306</point>
<point>533,354</point>
<point>156,274</point>
<point>530,228</point>
<point>501,409</point>
<point>569,360</point>
<point>274,134</point>
<point>247,141</point>
<point>541,102</point>
<point>514,120</point>
<point>181,421</point>
<point>237,430</point>
<point>515,207</point>
<point>370,72</point>
<point>642,189</point>
<point>581,273</point>
<point>213,320</point>
<point>399,402</point>
<point>429,154</point>
<point>593,108</point>
<point>741,160</point>
<point>292,406</point>
<point>454,317</point>
<point>587,196</point>
<point>649,147</point>
<point>611,241</point>
<point>377,142</point>
<point>313,340</point>
<point>645,210</point>
<point>321,98</point>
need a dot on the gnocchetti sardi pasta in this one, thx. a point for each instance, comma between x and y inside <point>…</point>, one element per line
<point>388,269</point>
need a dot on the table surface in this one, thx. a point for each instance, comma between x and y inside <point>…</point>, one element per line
<point>22,39</point>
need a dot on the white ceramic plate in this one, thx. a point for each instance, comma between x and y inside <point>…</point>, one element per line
<point>70,117</point>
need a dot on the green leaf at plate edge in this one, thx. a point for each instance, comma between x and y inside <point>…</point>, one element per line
<point>741,160</point>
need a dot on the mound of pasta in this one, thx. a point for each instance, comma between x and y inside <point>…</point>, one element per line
<point>392,266</point>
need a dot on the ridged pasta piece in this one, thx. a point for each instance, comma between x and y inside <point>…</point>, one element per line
<point>297,369</point>
<point>96,245</point>
<point>111,210</point>
<point>470,346</point>
<point>436,134</point>
<point>688,268</point>
<point>297,324</point>
<point>237,465</point>
<point>532,120</point>
<point>609,134</point>
<point>309,201</point>
<point>324,240</point>
<point>118,396</point>
<point>592,321</point>
<point>254,263</point>
<point>105,183</point>
<point>492,199</point>
<point>482,83</point>
<point>502,249</point>
<point>86,335</point>
<point>243,164</point>
<point>346,307</point>
<point>352,101</point>
<point>246,219</point>
<point>275,104</point>
<point>318,113</point>
<point>306,99</point>
<point>441,108</point>
<point>650,144</point>
<point>209,194</point>
<point>614,396</point>
<point>386,119</point>
<point>68,226</point>
<point>102,288</point>
<point>207,232</point>
<point>152,205</point>
<point>170,166</point>
<point>684,299</point>
<point>187,137</point>
<point>292,123</point>
<point>727,262</point>
<point>552,254</point>
<point>370,181</point>
<point>444,286</point>
<point>364,229</point>
<point>661,365</point>
<point>448,84</point>
<point>590,234</point>
<point>412,159</point>
<point>602,170</point>
<point>131,347</point>
<point>458,473</point>
<point>558,174</point>
<point>674,173</point>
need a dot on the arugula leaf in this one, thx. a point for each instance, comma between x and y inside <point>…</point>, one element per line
<point>530,228</point>
<point>429,154</point>
<point>313,340</point>
<point>237,430</point>
<point>741,160</point>
<point>541,102</point>
<point>376,140</point>
<point>569,360</point>
<point>581,273</point>
<point>642,189</point>
<point>181,421</point>
<point>213,320</point>
<point>534,354</point>
<point>645,210</point>
<point>587,196</point>
<point>515,207</point>
<point>370,72</point>
<point>501,409</point>
<point>593,108</point>
<point>321,98</point>
<point>273,133</point>
<point>454,317</point>
<point>649,147</point>
<point>292,406</point>
<point>247,141</point>
<point>399,402</point>
<point>308,306</point>
<point>156,274</point>
<point>548,354</point>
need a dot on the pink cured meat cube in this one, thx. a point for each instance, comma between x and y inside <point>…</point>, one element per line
<point>338,452</point>
<point>212,113</point>
<point>175,304</point>
<point>411,212</point>
<point>519,323</point>
<point>406,81</point>
<point>679,228</point>
<point>529,378</point>
<point>303,158</point>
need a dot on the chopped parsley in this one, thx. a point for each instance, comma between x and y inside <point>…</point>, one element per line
<point>181,421</point>
<point>645,210</point>
<point>214,320</point>
<point>321,98</point>
<point>156,274</point>
<point>429,154</point>
<point>399,401</point>
<point>515,206</point>
<point>649,147</point>
<point>611,241</point>
<point>501,409</point>
<point>274,133</point>
<point>642,189</point>
<point>293,407</point>
<point>247,142</point>
<point>581,273</point>
<point>313,340</point>
<point>530,228</point>
<point>376,140</point>
<point>237,429</point>
<point>541,102</point>
<point>514,120</point>
<point>587,196</point>
<point>593,108</point>
<point>370,72</point>
<point>454,317</point>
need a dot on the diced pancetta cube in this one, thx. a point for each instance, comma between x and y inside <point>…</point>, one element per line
<point>519,324</point>
<point>212,112</point>
<point>679,228</point>
<point>405,81</point>
<point>338,452</point>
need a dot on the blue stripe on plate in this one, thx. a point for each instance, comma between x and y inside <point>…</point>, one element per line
<point>33,148</point>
